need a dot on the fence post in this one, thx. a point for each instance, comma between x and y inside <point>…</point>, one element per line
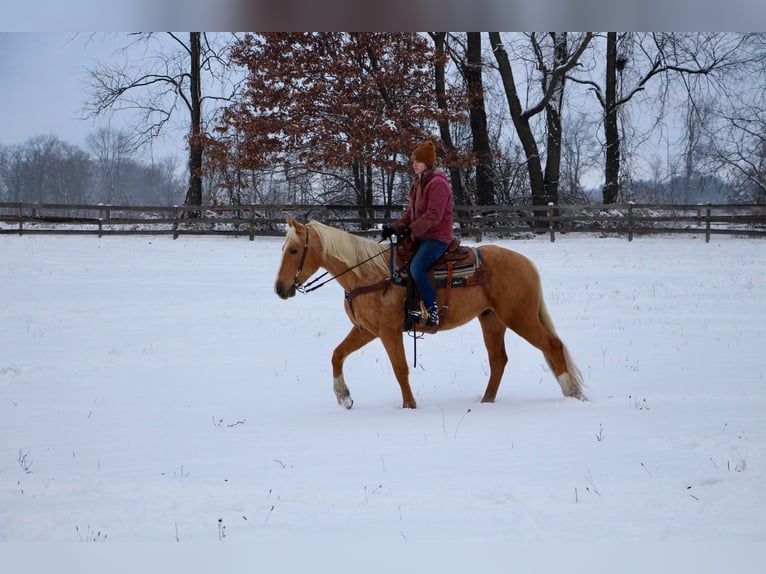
<point>20,213</point>
<point>252,222</point>
<point>550,221</point>
<point>175,223</point>
<point>630,221</point>
<point>707,222</point>
<point>103,213</point>
<point>472,225</point>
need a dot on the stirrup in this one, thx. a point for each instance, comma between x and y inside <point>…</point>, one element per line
<point>415,315</point>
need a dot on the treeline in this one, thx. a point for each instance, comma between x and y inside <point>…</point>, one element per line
<point>519,118</point>
<point>524,118</point>
<point>46,169</point>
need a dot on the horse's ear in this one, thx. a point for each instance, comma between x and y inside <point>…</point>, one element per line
<point>294,223</point>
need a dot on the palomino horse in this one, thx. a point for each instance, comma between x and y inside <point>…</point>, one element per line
<point>510,298</point>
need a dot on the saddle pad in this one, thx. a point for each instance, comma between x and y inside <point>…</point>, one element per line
<point>462,275</point>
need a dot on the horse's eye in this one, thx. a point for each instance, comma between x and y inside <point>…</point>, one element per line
<point>293,251</point>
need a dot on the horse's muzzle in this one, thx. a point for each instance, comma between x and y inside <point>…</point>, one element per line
<point>284,291</point>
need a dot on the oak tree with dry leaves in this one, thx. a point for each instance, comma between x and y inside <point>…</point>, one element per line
<point>349,107</point>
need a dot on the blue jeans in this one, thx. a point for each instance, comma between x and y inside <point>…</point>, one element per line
<point>429,251</point>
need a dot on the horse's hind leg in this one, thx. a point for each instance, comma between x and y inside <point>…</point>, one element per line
<point>494,339</point>
<point>556,354</point>
<point>355,340</point>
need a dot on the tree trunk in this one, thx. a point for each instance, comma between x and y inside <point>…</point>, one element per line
<point>521,123</point>
<point>611,131</point>
<point>441,101</point>
<point>194,194</point>
<point>485,189</point>
<point>369,196</point>
<point>389,177</point>
<point>358,175</point>
<point>363,188</point>
<point>553,121</point>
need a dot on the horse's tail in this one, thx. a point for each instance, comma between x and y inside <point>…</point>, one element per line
<point>570,381</point>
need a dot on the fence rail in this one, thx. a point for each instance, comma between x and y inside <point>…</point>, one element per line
<point>626,220</point>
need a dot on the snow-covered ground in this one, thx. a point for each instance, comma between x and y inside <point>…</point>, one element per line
<point>158,400</point>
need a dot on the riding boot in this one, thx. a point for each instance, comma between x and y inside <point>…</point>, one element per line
<point>433,316</point>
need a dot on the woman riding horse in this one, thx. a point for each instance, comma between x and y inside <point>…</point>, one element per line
<point>428,220</point>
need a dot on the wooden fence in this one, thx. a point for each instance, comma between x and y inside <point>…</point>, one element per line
<point>626,220</point>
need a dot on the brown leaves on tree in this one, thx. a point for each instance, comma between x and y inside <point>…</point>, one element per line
<point>329,101</point>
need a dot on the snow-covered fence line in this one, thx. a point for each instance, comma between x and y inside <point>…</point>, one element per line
<point>101,219</point>
<point>617,219</point>
<point>626,220</point>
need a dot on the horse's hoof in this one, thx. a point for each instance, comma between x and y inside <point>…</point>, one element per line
<point>347,402</point>
<point>412,405</point>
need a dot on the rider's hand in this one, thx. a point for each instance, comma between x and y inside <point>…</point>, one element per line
<point>387,232</point>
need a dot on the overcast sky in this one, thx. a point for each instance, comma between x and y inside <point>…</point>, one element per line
<point>42,87</point>
<point>399,15</point>
<point>41,76</point>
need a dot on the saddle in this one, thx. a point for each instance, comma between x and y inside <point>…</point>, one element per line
<point>460,266</point>
<point>407,248</point>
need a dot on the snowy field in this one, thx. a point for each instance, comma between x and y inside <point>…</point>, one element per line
<point>163,411</point>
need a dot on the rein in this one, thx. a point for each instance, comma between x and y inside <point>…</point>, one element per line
<point>309,286</point>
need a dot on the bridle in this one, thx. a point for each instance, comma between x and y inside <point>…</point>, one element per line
<point>299,269</point>
<point>309,286</point>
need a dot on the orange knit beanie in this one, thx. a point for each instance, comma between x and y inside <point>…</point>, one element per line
<point>425,153</point>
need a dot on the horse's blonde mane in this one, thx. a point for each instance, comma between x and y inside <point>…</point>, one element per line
<point>351,249</point>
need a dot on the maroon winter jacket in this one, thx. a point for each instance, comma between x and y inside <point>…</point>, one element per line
<point>429,213</point>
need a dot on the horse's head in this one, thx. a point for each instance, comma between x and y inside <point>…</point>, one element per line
<point>299,262</point>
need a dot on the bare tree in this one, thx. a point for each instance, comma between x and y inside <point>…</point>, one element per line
<point>577,157</point>
<point>158,85</point>
<point>442,100</point>
<point>472,72</point>
<point>553,109</point>
<point>45,169</point>
<point>522,118</point>
<point>111,150</point>
<point>12,173</point>
<point>635,59</point>
<point>738,147</point>
<point>725,127</point>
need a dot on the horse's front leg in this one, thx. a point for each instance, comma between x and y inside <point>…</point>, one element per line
<point>392,341</point>
<point>355,340</point>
